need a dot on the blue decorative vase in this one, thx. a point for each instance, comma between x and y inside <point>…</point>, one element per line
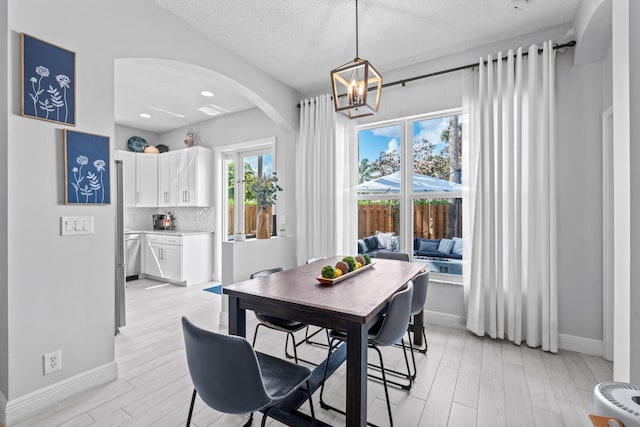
<point>137,144</point>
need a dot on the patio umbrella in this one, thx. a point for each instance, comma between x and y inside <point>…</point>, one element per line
<point>421,184</point>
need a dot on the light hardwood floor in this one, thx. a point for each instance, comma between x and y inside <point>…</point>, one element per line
<point>463,380</point>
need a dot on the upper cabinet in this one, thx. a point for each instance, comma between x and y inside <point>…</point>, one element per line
<point>176,178</point>
<point>168,179</point>
<point>194,177</point>
<point>147,180</point>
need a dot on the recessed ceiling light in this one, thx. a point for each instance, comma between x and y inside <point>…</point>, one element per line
<point>145,115</point>
<point>206,93</point>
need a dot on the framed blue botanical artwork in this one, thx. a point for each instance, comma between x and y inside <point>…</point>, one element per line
<point>86,168</point>
<point>47,73</point>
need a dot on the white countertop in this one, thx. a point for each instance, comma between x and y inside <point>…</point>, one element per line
<point>172,232</point>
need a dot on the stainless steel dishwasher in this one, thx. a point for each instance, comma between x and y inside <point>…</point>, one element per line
<point>132,248</point>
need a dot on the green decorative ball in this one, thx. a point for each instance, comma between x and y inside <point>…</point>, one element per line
<point>350,261</point>
<point>367,258</point>
<point>328,272</point>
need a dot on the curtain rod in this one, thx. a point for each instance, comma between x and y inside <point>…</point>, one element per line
<point>402,82</point>
<point>571,43</point>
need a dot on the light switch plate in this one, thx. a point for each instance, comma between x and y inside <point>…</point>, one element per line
<point>74,225</point>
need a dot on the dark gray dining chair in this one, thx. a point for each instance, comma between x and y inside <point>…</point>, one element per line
<point>289,327</point>
<point>400,256</point>
<point>231,377</point>
<point>420,285</point>
<point>315,259</point>
<point>385,332</point>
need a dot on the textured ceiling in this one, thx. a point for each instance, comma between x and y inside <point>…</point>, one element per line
<point>300,41</point>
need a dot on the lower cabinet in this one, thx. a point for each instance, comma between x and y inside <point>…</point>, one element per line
<point>183,260</point>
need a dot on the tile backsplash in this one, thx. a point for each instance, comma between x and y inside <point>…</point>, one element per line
<point>186,219</point>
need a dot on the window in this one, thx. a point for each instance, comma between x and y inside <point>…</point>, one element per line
<point>242,169</point>
<point>409,185</point>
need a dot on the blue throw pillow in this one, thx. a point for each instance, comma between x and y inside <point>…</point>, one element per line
<point>457,246</point>
<point>362,246</point>
<point>428,246</point>
<point>445,246</point>
<point>371,242</point>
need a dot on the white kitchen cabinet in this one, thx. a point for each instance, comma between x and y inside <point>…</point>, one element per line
<point>140,178</point>
<point>129,176</point>
<point>167,179</point>
<point>194,176</point>
<point>180,259</point>
<point>146,180</point>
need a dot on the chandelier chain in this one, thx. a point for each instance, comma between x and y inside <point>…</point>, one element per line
<point>357,29</point>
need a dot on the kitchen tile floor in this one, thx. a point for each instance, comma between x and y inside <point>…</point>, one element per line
<point>463,380</point>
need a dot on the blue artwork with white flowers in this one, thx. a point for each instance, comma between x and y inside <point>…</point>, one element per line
<point>48,81</point>
<point>86,168</point>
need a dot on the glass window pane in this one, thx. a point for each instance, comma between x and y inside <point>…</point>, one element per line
<point>229,164</point>
<point>437,148</point>
<point>378,215</point>
<point>379,160</point>
<point>433,221</point>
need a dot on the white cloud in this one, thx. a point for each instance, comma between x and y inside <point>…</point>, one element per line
<point>431,131</point>
<point>392,146</point>
<point>390,131</point>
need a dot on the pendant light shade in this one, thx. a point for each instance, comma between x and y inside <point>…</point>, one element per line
<point>356,86</point>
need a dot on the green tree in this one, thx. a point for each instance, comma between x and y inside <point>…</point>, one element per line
<point>365,171</point>
<point>250,177</point>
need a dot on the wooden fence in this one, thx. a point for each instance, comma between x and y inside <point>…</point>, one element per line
<point>431,221</point>
<point>250,219</point>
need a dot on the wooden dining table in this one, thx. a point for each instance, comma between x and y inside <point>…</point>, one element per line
<point>352,305</point>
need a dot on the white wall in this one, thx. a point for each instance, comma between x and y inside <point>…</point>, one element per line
<point>624,231</point>
<point>634,93</point>
<point>4,321</point>
<point>123,133</point>
<point>61,289</point>
<point>579,192</point>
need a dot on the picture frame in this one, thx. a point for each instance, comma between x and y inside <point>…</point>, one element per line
<point>47,76</point>
<point>86,168</point>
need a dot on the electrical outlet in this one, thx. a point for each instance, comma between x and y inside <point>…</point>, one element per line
<point>52,361</point>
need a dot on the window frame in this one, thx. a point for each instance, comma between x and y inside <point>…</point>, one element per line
<point>237,153</point>
<point>406,196</point>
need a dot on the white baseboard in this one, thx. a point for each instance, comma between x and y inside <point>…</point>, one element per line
<point>24,406</point>
<point>445,319</point>
<point>3,409</point>
<point>580,344</point>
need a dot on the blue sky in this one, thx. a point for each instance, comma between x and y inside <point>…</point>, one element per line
<point>267,164</point>
<point>373,141</point>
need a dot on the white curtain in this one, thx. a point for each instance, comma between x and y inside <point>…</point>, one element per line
<point>326,176</point>
<point>511,273</point>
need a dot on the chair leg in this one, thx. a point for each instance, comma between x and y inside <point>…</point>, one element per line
<point>264,417</point>
<point>286,346</point>
<point>406,361</point>
<point>426,346</point>
<point>324,377</point>
<point>249,421</point>
<point>313,414</point>
<point>193,400</point>
<point>413,357</point>
<point>255,334</point>
<point>384,382</point>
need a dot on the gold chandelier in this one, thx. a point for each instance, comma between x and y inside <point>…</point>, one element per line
<point>356,86</point>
